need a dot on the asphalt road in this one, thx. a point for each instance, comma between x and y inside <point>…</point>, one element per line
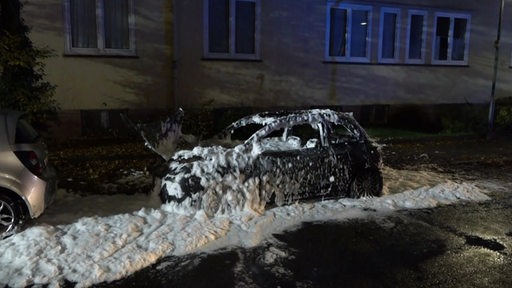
<point>462,245</point>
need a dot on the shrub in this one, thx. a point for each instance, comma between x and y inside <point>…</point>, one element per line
<point>504,116</point>
<point>22,77</point>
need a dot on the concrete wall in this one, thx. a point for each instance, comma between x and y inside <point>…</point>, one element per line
<point>292,71</point>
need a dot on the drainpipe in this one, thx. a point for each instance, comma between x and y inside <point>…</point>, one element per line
<point>492,103</point>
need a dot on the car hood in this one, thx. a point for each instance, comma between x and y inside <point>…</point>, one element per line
<point>207,158</point>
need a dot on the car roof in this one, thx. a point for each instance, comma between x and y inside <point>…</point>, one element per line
<point>265,118</point>
<point>280,119</point>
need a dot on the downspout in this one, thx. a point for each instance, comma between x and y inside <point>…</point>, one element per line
<point>492,102</point>
<point>174,54</point>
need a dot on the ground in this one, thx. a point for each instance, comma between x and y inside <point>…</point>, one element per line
<point>439,244</point>
<point>92,166</point>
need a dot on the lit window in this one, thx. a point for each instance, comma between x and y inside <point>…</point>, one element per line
<point>451,39</point>
<point>100,27</point>
<point>416,37</point>
<point>348,32</point>
<point>389,35</point>
<point>231,29</point>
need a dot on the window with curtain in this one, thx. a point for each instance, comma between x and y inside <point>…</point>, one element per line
<point>389,35</point>
<point>348,32</point>
<point>231,29</point>
<point>451,39</point>
<point>416,37</point>
<point>100,27</point>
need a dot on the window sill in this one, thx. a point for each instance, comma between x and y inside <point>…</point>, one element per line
<point>232,59</point>
<point>121,53</point>
<point>398,64</point>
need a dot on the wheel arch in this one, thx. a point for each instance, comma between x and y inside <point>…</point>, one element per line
<point>365,172</point>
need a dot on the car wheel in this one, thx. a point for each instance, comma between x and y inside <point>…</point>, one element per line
<point>10,217</point>
<point>367,182</point>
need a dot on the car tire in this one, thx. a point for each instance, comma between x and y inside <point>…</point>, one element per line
<point>367,182</point>
<point>10,216</point>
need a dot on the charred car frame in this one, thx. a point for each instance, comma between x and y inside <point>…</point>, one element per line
<point>276,158</point>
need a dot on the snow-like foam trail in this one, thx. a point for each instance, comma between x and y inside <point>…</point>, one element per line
<point>89,250</point>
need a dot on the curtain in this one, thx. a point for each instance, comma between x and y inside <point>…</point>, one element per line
<point>245,27</point>
<point>416,37</point>
<point>389,35</point>
<point>359,33</point>
<point>459,39</point>
<point>116,24</point>
<point>83,24</point>
<point>218,26</point>
<point>338,32</point>
<point>442,33</point>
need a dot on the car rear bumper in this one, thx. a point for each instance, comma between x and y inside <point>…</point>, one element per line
<point>51,187</point>
<point>38,193</point>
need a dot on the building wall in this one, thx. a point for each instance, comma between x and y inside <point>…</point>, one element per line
<point>292,71</point>
<point>91,82</point>
<point>169,69</point>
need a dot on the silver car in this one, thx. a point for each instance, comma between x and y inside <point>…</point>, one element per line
<point>27,182</point>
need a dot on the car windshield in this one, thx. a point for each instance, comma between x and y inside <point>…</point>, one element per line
<point>234,135</point>
<point>25,133</point>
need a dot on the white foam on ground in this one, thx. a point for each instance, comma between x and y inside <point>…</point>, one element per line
<point>94,239</point>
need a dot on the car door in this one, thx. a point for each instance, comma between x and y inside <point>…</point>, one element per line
<point>294,164</point>
<point>346,148</point>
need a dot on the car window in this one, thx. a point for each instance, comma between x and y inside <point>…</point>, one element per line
<point>280,140</point>
<point>309,136</point>
<point>339,133</point>
<point>244,132</point>
<point>25,133</point>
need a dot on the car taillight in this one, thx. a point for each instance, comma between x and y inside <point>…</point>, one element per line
<point>31,161</point>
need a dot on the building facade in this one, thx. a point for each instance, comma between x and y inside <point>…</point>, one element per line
<point>161,54</point>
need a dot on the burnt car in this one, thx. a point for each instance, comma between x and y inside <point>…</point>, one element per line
<point>27,181</point>
<point>276,158</point>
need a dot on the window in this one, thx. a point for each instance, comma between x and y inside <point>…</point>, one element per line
<point>389,35</point>
<point>348,33</point>
<point>100,27</point>
<point>451,39</point>
<point>416,37</point>
<point>231,29</point>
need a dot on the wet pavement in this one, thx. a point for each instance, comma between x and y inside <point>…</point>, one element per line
<point>462,245</point>
<point>467,244</point>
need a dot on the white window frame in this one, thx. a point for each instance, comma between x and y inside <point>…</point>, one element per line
<point>232,54</point>
<point>349,8</point>
<point>423,37</point>
<point>100,50</point>
<point>397,39</point>
<point>452,17</point>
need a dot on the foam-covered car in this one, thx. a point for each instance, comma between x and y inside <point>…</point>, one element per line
<point>275,158</point>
